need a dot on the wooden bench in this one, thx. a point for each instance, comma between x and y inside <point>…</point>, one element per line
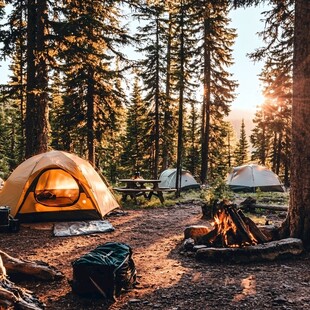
<point>166,189</point>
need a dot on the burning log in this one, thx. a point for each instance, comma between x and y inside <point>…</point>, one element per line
<point>259,235</point>
<point>238,225</point>
<point>237,239</point>
<point>37,269</point>
<point>209,238</point>
<point>232,229</point>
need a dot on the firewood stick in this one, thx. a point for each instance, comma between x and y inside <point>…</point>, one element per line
<point>256,232</point>
<point>241,227</point>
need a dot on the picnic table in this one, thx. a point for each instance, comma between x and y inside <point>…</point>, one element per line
<point>142,187</point>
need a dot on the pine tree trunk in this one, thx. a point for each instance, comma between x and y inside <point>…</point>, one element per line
<point>299,211</point>
<point>41,116</point>
<point>157,95</point>
<point>37,126</point>
<point>181,105</point>
<point>287,161</point>
<point>167,113</point>
<point>90,119</point>
<point>30,87</point>
<point>279,153</point>
<point>206,108</point>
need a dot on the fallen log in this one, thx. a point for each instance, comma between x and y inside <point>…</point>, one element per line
<point>249,204</point>
<point>15,297</point>
<point>267,207</point>
<point>37,269</point>
<point>269,251</point>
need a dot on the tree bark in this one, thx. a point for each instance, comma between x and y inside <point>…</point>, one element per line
<point>181,106</point>
<point>157,103</point>
<point>30,87</point>
<point>205,130</point>
<point>299,211</point>
<point>41,115</point>
<point>37,125</point>
<point>167,112</point>
<point>91,118</point>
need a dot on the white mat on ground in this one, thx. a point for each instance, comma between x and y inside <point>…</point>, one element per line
<point>81,228</point>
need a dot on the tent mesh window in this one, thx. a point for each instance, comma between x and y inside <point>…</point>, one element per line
<point>56,187</point>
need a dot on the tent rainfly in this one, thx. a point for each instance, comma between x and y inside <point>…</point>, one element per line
<point>248,178</point>
<point>168,179</point>
<point>56,186</point>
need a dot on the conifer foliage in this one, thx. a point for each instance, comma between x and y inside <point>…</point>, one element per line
<point>73,88</point>
<point>242,147</point>
<point>271,137</point>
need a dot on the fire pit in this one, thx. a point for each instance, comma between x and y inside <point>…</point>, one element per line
<point>236,238</point>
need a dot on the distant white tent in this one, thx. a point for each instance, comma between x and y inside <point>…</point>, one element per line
<point>248,178</point>
<point>168,179</point>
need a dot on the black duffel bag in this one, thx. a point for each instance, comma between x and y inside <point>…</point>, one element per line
<point>104,271</point>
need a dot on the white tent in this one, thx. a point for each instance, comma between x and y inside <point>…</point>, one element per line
<point>56,186</point>
<point>248,178</point>
<point>168,179</point>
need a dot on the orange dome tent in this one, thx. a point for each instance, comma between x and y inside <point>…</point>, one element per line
<point>55,186</point>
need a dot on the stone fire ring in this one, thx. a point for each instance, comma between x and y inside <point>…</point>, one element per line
<point>269,251</point>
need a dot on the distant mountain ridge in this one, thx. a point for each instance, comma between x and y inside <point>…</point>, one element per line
<point>235,118</point>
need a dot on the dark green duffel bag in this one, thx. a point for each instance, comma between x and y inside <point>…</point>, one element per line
<point>104,271</point>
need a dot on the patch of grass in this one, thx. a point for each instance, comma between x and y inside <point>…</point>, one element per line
<point>206,195</point>
<point>154,202</point>
<point>271,198</point>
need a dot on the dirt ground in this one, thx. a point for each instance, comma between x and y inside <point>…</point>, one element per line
<point>167,279</point>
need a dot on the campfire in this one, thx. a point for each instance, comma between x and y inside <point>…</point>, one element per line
<point>232,229</point>
<point>235,237</point>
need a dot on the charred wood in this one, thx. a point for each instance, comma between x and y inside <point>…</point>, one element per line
<point>240,225</point>
<point>208,239</point>
<point>255,231</point>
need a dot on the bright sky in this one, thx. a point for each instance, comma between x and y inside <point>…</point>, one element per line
<point>247,22</point>
<point>4,72</point>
